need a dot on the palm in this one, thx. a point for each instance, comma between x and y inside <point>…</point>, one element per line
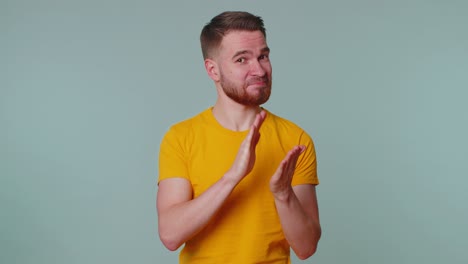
<point>280,182</point>
<point>245,159</point>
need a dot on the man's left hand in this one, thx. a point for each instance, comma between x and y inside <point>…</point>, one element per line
<point>280,182</point>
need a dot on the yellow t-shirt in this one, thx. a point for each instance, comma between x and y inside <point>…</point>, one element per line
<point>247,228</point>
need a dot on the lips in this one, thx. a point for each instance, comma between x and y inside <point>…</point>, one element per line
<point>257,81</point>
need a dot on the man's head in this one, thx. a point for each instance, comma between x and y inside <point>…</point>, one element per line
<point>214,32</point>
<point>237,57</point>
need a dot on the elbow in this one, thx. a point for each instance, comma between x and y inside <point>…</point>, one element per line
<point>170,242</point>
<point>170,236</point>
<point>306,254</point>
<point>311,249</point>
<point>170,245</point>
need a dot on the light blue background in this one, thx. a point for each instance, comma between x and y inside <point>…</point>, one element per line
<point>88,88</point>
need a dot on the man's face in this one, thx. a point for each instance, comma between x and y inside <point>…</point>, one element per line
<point>244,67</point>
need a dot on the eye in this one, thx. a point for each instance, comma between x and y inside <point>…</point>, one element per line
<point>240,60</point>
<point>263,57</point>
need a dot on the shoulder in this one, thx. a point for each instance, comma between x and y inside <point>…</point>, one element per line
<point>281,123</point>
<point>186,126</point>
<point>286,130</point>
<point>180,136</point>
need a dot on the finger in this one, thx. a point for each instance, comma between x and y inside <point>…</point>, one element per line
<point>292,157</point>
<point>256,139</point>
<point>285,164</point>
<point>299,151</point>
<point>293,153</point>
<point>263,115</point>
<point>259,118</point>
<point>279,171</point>
<point>250,137</point>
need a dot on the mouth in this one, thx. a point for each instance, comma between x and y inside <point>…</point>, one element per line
<point>258,82</point>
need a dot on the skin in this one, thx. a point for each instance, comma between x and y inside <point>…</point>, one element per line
<point>241,72</point>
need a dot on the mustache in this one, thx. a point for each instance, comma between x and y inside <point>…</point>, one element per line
<point>254,80</point>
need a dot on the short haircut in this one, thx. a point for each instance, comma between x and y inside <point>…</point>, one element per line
<point>213,32</point>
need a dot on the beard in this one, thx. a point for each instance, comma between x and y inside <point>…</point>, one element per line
<point>240,95</point>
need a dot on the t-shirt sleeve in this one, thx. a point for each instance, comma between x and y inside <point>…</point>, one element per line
<point>173,156</point>
<point>306,167</point>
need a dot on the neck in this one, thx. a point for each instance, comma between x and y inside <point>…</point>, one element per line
<point>234,116</point>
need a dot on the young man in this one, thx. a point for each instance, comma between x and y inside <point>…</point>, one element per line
<point>236,182</point>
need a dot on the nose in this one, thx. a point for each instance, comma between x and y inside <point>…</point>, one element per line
<point>257,69</point>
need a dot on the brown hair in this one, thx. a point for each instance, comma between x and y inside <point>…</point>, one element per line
<point>213,32</point>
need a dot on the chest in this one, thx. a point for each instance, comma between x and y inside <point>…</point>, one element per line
<point>213,156</point>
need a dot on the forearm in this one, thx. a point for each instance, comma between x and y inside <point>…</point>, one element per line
<point>180,217</point>
<point>181,221</point>
<point>300,229</point>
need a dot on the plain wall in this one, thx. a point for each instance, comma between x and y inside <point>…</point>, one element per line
<point>88,89</point>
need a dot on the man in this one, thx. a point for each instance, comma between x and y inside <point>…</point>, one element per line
<point>227,193</point>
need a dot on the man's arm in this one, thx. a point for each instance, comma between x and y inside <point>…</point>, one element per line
<point>180,217</point>
<point>297,207</point>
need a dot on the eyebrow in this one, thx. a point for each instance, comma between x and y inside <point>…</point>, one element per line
<point>241,52</point>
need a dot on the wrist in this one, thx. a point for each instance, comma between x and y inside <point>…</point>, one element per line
<point>230,179</point>
<point>284,196</point>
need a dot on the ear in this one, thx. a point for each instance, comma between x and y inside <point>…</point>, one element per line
<point>212,69</point>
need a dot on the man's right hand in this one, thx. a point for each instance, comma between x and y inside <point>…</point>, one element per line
<point>245,159</point>
<point>180,216</point>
